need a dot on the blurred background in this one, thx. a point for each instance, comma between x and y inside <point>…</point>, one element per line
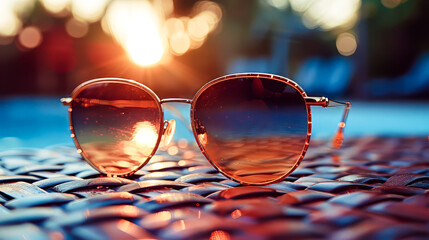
<point>372,52</point>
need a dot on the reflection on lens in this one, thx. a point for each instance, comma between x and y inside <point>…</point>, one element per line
<point>252,129</point>
<point>117,125</point>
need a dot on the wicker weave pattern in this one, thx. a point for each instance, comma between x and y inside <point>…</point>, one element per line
<point>373,188</point>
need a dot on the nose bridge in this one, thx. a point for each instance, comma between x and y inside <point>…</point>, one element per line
<point>179,100</point>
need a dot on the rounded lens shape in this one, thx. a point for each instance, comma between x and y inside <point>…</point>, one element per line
<point>116,125</point>
<point>255,130</point>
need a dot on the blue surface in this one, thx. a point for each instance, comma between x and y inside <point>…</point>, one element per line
<point>43,121</point>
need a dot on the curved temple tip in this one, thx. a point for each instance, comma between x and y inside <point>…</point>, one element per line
<point>339,137</point>
<point>325,102</point>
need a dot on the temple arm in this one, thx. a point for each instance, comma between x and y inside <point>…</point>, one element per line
<point>116,103</point>
<point>325,102</point>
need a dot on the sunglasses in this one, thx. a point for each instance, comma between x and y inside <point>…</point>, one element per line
<point>254,128</point>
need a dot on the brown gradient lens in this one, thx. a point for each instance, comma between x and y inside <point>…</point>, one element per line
<point>253,130</point>
<point>116,125</point>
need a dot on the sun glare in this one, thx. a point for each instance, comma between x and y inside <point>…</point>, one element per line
<point>147,30</point>
<point>144,51</point>
<point>135,25</point>
<point>142,143</point>
<point>145,134</point>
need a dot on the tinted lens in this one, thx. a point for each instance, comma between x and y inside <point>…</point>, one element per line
<point>117,125</point>
<point>253,129</point>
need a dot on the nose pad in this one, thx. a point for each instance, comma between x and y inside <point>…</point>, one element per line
<point>169,129</point>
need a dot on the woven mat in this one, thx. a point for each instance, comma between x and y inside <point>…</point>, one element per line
<point>373,188</point>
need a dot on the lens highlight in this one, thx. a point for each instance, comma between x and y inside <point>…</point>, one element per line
<point>116,125</point>
<point>253,130</point>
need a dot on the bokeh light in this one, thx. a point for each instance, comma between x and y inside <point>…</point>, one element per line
<point>173,150</point>
<point>165,7</point>
<point>180,43</point>
<point>327,14</point>
<point>173,25</point>
<point>346,44</point>
<point>390,3</point>
<point>280,4</point>
<point>208,6</point>
<point>198,27</point>
<point>56,7</point>
<point>30,37</point>
<point>9,21</point>
<point>188,33</point>
<point>12,13</point>
<point>182,143</point>
<point>76,28</point>
<point>90,11</point>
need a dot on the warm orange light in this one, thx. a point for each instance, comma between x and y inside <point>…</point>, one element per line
<point>148,34</point>
<point>220,235</point>
<point>346,44</point>
<point>135,25</point>
<point>145,134</point>
<point>141,51</point>
<point>210,6</point>
<point>180,43</point>
<point>144,139</point>
<point>163,216</point>
<point>173,150</point>
<point>182,143</point>
<point>203,138</point>
<point>56,235</point>
<point>182,223</point>
<point>187,33</point>
<point>30,37</point>
<point>198,27</point>
<point>173,25</point>
<point>236,214</point>
<point>188,155</point>
<point>167,7</point>
<point>76,28</point>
